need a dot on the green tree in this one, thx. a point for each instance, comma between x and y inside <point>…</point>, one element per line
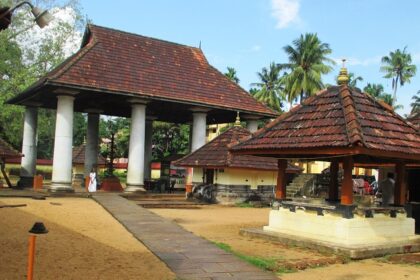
<point>307,63</point>
<point>169,139</point>
<point>415,105</point>
<point>26,54</point>
<point>231,74</point>
<point>270,87</point>
<point>377,91</point>
<point>397,66</point>
<point>353,79</point>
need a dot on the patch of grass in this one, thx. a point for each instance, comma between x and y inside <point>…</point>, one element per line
<point>244,205</point>
<point>263,263</point>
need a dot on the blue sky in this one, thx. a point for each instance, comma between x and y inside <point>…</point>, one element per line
<point>248,35</point>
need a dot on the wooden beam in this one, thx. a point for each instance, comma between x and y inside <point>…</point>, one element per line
<point>400,190</point>
<point>347,184</point>
<point>333,187</point>
<point>281,179</point>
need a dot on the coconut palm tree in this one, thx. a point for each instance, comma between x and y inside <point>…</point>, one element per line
<point>308,61</point>
<point>231,74</point>
<point>353,79</point>
<point>415,106</point>
<point>374,90</point>
<point>397,66</point>
<point>270,87</point>
<point>377,91</point>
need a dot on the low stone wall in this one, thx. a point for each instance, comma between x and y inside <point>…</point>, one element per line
<point>232,194</point>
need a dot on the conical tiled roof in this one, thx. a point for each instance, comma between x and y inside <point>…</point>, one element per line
<point>6,151</point>
<point>79,155</point>
<point>216,154</point>
<point>337,121</point>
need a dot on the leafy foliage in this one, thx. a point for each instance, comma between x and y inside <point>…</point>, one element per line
<point>270,88</point>
<point>231,74</point>
<point>415,105</point>
<point>397,66</point>
<point>26,54</point>
<point>308,61</point>
<point>169,139</point>
<point>377,91</point>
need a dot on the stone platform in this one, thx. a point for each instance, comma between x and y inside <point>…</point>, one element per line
<point>357,233</point>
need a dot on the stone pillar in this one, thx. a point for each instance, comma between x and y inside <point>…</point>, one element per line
<point>135,170</point>
<point>62,161</point>
<point>198,130</point>
<point>400,190</point>
<point>281,179</point>
<point>333,187</point>
<point>148,148</point>
<point>29,148</point>
<point>252,125</point>
<point>347,184</point>
<point>92,148</point>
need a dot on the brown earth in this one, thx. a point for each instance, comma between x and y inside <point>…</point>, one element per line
<point>84,242</point>
<point>222,224</point>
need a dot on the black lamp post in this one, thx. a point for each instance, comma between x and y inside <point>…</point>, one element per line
<point>42,17</point>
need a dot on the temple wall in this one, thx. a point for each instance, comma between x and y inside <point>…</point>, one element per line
<point>240,177</point>
<point>345,232</point>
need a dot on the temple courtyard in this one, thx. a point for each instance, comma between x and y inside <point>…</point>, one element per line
<point>89,243</point>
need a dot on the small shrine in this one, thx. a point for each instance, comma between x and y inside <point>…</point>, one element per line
<point>343,126</point>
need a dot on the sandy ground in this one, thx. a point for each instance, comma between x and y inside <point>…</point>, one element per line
<point>84,242</point>
<point>222,224</point>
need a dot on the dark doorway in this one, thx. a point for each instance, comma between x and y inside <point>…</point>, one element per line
<point>209,176</point>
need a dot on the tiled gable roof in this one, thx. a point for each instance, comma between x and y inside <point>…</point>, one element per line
<point>337,117</point>
<point>120,62</point>
<point>216,154</point>
<point>7,151</point>
<point>79,155</point>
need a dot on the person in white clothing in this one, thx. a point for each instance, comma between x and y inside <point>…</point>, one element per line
<point>92,181</point>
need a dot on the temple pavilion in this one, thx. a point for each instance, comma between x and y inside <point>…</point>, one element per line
<point>233,178</point>
<point>116,73</point>
<point>343,126</point>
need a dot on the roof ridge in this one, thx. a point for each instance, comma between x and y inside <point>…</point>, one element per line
<point>138,35</point>
<point>351,117</point>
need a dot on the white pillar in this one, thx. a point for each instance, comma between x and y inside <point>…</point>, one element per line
<point>252,125</point>
<point>62,161</point>
<point>135,170</point>
<point>91,149</point>
<point>198,130</point>
<point>148,149</point>
<point>29,149</point>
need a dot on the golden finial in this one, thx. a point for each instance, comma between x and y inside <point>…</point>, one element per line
<point>238,120</point>
<point>343,77</point>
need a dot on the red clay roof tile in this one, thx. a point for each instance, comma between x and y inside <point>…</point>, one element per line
<point>351,119</point>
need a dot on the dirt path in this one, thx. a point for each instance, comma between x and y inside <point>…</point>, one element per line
<point>84,242</point>
<point>222,224</point>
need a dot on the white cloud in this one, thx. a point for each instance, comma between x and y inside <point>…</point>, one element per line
<point>352,61</point>
<point>256,48</point>
<point>285,12</point>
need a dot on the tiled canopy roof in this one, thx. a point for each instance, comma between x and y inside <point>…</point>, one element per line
<point>6,151</point>
<point>215,154</point>
<point>117,62</point>
<point>79,155</point>
<point>337,121</point>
